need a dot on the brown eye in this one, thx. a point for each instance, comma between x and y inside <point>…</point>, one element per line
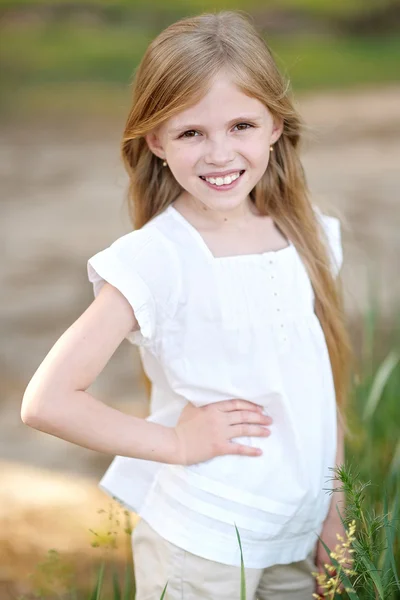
<point>188,136</point>
<point>247,125</point>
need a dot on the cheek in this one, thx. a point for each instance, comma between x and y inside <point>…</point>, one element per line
<point>256,147</point>
<point>257,154</point>
<point>182,166</point>
<point>184,160</point>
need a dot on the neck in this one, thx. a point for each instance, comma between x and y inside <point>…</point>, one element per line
<point>235,217</point>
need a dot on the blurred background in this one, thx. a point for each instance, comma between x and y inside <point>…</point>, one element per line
<point>66,68</point>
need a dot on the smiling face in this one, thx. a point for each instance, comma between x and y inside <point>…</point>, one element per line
<point>226,133</point>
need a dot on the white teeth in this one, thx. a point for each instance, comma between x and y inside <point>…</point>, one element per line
<point>223,180</point>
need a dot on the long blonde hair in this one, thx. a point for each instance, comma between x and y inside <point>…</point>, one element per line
<point>174,74</point>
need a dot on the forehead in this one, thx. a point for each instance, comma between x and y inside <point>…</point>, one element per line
<point>223,102</point>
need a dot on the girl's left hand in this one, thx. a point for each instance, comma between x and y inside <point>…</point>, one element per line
<point>331,527</point>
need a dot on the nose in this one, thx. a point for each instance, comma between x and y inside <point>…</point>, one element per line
<point>219,151</point>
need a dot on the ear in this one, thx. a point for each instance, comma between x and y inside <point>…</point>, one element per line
<point>277,129</point>
<point>154,143</point>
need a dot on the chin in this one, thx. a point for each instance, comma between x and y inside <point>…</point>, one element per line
<point>221,204</point>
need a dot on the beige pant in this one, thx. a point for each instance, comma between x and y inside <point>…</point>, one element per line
<point>191,577</point>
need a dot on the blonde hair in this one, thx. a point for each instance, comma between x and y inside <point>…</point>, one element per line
<point>174,74</point>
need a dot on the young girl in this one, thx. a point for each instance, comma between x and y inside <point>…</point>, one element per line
<point>229,286</point>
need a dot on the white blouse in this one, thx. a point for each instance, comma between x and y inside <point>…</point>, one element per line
<point>214,328</point>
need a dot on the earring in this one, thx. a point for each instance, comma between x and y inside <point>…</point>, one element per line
<point>164,163</point>
<point>271,148</point>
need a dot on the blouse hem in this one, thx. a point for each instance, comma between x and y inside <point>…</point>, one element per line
<point>256,555</point>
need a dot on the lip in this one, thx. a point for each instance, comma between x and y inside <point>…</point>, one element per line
<point>223,188</point>
<point>222,173</point>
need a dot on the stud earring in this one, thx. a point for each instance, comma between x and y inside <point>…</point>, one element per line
<point>164,163</point>
<point>271,148</point>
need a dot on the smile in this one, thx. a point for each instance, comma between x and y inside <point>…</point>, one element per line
<point>223,183</point>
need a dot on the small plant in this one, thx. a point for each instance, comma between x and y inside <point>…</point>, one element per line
<point>368,552</point>
<point>330,581</point>
<point>53,576</point>
<point>242,571</point>
<point>108,540</point>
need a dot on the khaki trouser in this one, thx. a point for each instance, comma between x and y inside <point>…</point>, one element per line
<point>191,577</point>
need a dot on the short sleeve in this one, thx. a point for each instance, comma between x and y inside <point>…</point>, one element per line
<point>332,229</point>
<point>139,265</point>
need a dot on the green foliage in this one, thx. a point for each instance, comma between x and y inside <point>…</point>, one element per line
<point>374,408</point>
<point>343,8</point>
<point>53,575</point>
<point>332,8</point>
<point>96,594</point>
<point>56,55</point>
<point>69,54</point>
<point>377,537</point>
<point>242,571</point>
<point>323,62</point>
<point>164,590</point>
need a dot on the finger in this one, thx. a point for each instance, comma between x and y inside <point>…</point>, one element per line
<point>248,416</point>
<point>238,404</point>
<point>234,448</point>
<point>243,429</point>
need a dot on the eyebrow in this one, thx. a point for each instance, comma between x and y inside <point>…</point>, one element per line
<point>254,118</point>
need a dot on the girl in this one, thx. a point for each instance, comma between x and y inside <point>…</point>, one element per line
<point>229,286</point>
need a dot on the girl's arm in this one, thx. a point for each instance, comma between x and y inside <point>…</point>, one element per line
<point>56,400</point>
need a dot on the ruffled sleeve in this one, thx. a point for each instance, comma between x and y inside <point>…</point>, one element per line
<point>139,265</point>
<point>332,229</point>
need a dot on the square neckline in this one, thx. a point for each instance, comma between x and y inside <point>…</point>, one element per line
<point>196,234</point>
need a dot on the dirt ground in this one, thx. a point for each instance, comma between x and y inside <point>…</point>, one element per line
<point>62,201</point>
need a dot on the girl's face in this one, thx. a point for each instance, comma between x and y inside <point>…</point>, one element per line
<point>226,133</point>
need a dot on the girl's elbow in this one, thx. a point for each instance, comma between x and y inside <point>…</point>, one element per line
<point>37,405</point>
<point>31,411</point>
<point>29,418</point>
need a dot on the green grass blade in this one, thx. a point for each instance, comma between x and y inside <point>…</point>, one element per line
<point>116,587</point>
<point>394,468</point>
<point>96,594</point>
<point>242,572</point>
<point>376,578</point>
<point>388,525</point>
<point>370,325</point>
<point>385,370</point>
<point>164,590</point>
<point>351,593</point>
<point>129,585</point>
